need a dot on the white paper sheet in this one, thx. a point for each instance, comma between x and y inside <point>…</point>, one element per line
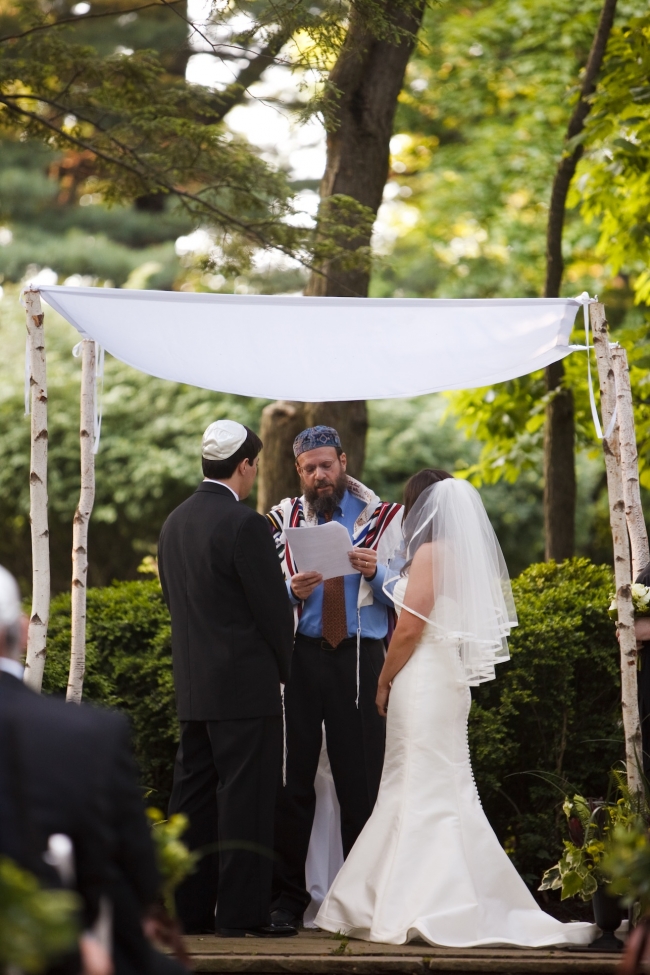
<point>321,548</point>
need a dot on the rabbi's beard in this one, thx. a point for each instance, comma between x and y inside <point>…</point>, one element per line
<point>325,503</point>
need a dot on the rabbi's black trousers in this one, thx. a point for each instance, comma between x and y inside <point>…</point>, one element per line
<point>323,688</point>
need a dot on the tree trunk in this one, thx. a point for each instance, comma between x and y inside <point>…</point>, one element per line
<point>40,614</point>
<point>80,523</point>
<point>622,563</point>
<point>281,423</point>
<point>629,463</point>
<point>559,468</point>
<point>368,78</point>
<point>559,433</point>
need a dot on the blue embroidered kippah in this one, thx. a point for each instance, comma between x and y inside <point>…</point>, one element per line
<point>314,437</point>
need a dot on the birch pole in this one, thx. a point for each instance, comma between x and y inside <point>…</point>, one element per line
<point>629,463</point>
<point>622,563</point>
<point>81,522</point>
<point>40,614</point>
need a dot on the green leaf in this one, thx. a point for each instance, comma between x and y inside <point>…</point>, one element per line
<point>589,887</point>
<point>572,884</point>
<point>551,880</point>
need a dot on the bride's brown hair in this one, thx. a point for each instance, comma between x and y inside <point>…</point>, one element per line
<point>419,483</point>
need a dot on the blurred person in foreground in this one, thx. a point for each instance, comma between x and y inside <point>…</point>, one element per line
<point>49,784</point>
<point>68,769</point>
<point>232,639</point>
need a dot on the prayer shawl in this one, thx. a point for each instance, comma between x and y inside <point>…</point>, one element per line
<point>379,526</point>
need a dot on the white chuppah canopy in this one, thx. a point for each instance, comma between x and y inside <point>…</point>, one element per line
<point>319,349</point>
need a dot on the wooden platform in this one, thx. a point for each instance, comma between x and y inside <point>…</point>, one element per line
<point>315,953</point>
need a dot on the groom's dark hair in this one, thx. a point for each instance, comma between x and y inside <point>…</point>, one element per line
<point>220,470</point>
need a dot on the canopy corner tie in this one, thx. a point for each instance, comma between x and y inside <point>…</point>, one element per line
<point>99,394</point>
<point>585,301</point>
<point>28,378</point>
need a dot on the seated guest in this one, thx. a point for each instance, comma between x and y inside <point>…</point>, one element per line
<point>69,769</point>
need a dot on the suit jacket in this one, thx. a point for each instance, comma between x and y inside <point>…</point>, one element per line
<point>70,769</point>
<point>52,783</point>
<point>232,622</point>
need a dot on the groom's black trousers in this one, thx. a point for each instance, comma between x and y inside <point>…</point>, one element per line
<point>323,687</point>
<point>225,781</point>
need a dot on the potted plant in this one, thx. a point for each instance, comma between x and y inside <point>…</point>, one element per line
<point>581,871</point>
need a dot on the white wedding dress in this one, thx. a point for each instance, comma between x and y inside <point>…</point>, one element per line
<point>427,864</point>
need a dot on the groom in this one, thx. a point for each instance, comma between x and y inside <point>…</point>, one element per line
<point>232,637</point>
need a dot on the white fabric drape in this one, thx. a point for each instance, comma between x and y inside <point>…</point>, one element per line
<point>318,349</point>
<point>325,853</point>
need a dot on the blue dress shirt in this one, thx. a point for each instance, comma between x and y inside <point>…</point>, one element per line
<point>374,618</point>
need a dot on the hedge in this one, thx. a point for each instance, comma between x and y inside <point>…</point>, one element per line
<point>554,709</point>
<point>128,666</point>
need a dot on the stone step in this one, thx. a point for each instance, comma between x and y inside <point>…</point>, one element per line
<point>313,953</point>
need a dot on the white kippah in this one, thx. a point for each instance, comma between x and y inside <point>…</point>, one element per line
<point>10,608</point>
<point>222,439</point>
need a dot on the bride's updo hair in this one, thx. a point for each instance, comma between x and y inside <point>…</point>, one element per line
<point>419,483</point>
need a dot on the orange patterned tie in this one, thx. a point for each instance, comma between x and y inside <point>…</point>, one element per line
<point>335,622</point>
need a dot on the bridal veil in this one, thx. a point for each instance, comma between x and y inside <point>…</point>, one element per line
<point>473,604</point>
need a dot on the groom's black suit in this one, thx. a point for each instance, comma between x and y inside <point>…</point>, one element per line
<point>232,639</point>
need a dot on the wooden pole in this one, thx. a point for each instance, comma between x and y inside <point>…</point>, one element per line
<point>39,617</point>
<point>622,562</point>
<point>81,522</point>
<point>629,462</point>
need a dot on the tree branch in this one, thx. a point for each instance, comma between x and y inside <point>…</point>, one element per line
<point>568,164</point>
<point>234,93</point>
<point>226,100</point>
<point>149,176</point>
<point>84,17</point>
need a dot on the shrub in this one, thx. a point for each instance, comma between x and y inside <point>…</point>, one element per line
<point>553,712</point>
<point>128,666</point>
<point>554,709</point>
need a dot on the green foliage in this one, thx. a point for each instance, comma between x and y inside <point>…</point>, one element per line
<point>580,870</point>
<point>148,462</point>
<point>142,131</point>
<point>55,223</point>
<point>106,90</point>
<point>627,864</point>
<point>613,186</point>
<point>407,435</point>
<point>608,845</point>
<point>128,666</point>
<point>551,721</point>
<point>481,126</point>
<point>175,861</point>
<point>36,925</point>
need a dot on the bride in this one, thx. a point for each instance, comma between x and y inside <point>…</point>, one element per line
<point>427,863</point>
